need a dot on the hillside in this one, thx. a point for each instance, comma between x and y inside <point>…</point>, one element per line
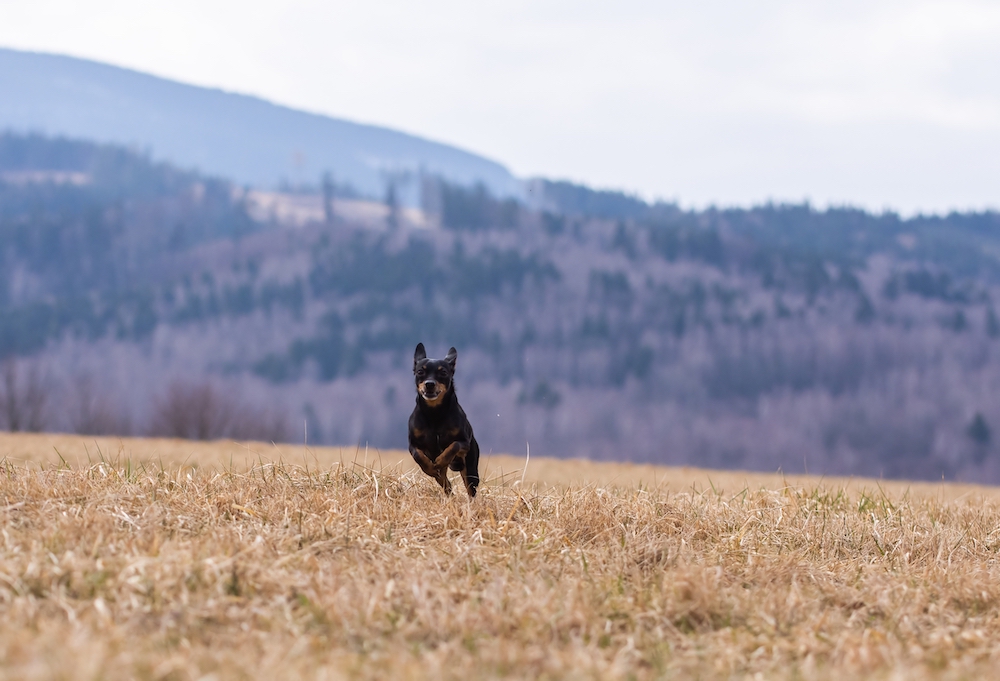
<point>589,324</point>
<point>147,560</point>
<point>245,139</point>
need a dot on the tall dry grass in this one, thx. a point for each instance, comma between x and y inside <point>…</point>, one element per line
<point>115,569</point>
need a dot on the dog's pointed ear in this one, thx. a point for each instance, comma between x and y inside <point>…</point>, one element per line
<point>451,358</point>
<point>419,354</point>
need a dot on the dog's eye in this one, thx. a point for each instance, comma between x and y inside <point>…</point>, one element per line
<point>421,372</point>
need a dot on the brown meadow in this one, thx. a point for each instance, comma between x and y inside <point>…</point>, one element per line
<point>160,559</point>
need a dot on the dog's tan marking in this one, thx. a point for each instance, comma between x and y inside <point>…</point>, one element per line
<point>437,400</point>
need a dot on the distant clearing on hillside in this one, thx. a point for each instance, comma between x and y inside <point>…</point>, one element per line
<point>164,559</point>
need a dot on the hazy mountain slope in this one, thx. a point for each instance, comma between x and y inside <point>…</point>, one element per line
<point>832,341</point>
<point>246,139</point>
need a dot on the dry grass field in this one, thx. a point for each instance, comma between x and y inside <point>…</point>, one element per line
<point>158,559</point>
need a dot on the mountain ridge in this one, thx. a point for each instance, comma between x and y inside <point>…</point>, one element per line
<point>239,136</point>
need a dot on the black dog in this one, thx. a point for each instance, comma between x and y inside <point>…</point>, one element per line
<point>440,433</point>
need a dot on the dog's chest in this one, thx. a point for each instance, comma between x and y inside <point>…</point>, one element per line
<point>435,440</point>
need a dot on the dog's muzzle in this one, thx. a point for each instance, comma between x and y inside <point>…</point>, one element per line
<point>429,389</point>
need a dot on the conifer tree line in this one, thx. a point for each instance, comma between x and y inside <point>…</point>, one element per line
<point>590,323</point>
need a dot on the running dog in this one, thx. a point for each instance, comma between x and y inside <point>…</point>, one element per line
<point>440,433</point>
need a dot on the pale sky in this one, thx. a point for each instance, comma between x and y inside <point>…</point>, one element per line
<point>881,104</point>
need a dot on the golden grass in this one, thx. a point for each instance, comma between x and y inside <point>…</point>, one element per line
<point>169,560</point>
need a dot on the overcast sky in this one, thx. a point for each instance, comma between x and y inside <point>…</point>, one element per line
<point>882,103</point>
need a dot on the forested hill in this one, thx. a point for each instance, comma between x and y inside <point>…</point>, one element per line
<point>589,324</point>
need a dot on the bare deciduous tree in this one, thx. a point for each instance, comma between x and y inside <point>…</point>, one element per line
<point>23,397</point>
<point>92,412</point>
<point>202,411</point>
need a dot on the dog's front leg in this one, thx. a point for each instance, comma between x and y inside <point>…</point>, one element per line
<point>454,450</point>
<point>444,459</point>
<point>444,481</point>
<point>431,469</point>
<point>424,461</point>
